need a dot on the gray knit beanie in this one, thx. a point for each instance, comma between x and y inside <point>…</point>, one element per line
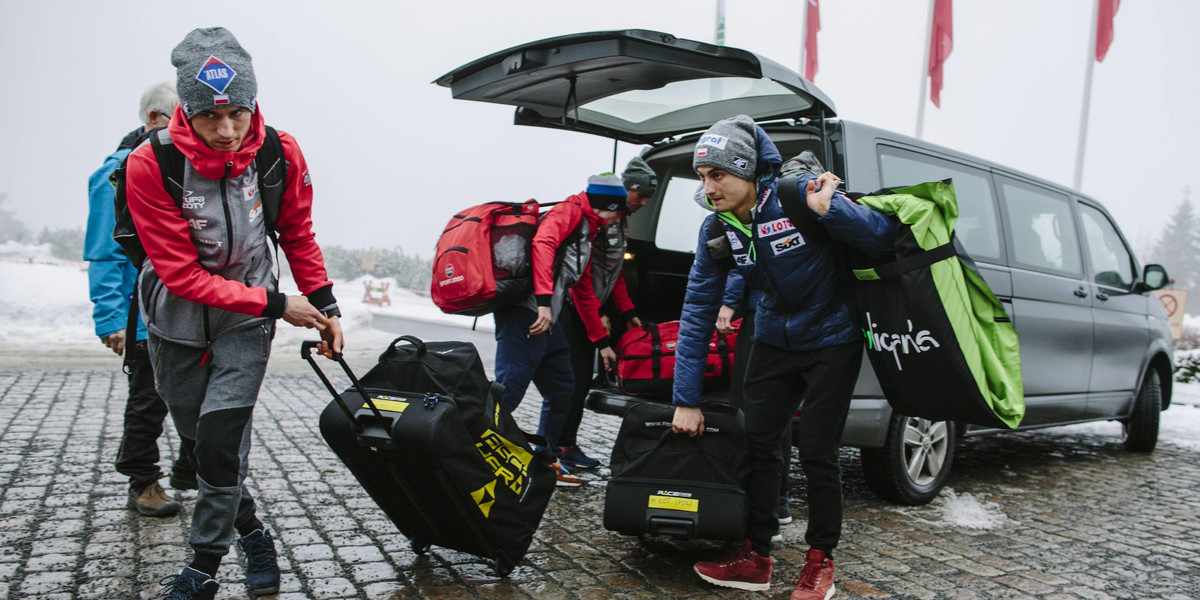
<point>639,177</point>
<point>729,145</point>
<point>212,69</point>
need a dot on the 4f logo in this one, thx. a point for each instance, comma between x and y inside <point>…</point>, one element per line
<point>198,224</point>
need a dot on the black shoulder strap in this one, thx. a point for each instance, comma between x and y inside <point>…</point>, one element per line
<point>797,211</point>
<point>170,164</point>
<point>272,167</point>
<point>908,263</point>
<point>717,244</point>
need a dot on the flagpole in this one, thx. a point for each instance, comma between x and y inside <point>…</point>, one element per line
<point>719,36</point>
<point>1087,98</point>
<point>804,40</point>
<point>924,87</point>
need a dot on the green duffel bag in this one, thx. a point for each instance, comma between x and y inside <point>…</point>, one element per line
<point>939,341</point>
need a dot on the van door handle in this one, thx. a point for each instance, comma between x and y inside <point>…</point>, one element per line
<point>1101,296</point>
<point>1081,292</point>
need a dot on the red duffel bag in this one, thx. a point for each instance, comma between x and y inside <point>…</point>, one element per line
<point>646,359</point>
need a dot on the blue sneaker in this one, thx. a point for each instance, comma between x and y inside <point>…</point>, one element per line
<point>574,458</point>
<point>189,584</point>
<point>262,564</point>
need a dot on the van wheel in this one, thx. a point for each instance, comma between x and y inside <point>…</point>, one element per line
<point>915,461</point>
<point>1141,428</point>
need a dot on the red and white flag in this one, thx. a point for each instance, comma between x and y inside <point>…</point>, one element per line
<point>941,42</point>
<point>812,25</point>
<point>1104,26</point>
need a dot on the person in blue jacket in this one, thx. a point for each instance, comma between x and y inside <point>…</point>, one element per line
<point>806,341</point>
<point>111,278</point>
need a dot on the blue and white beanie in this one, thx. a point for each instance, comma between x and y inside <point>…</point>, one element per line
<point>606,192</point>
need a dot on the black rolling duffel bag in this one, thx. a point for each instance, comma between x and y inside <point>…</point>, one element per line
<point>665,483</point>
<point>423,433</point>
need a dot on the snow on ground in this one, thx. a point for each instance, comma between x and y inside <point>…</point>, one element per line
<point>44,304</point>
<point>967,510</point>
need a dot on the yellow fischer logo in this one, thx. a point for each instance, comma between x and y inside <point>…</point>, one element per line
<point>485,497</point>
<point>509,461</point>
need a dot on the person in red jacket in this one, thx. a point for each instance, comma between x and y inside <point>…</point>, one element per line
<point>588,326</point>
<point>531,345</point>
<point>209,294</point>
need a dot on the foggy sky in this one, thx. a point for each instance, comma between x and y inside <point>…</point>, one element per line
<point>392,156</point>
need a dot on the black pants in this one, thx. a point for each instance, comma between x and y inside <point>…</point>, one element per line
<point>583,360</point>
<point>776,380</point>
<point>737,376</point>
<point>137,458</point>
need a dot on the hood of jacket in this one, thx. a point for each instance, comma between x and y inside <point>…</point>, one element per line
<point>211,163</point>
<point>595,222</point>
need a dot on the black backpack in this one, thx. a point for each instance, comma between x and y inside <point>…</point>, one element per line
<point>272,181</point>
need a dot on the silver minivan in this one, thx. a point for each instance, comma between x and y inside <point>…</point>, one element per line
<point>1095,343</point>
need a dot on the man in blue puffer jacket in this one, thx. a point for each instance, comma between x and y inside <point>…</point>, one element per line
<point>111,277</point>
<point>806,340</point>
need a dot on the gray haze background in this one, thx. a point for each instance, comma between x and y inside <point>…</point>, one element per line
<point>393,156</point>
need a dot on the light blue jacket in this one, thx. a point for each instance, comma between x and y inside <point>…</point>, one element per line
<point>110,274</point>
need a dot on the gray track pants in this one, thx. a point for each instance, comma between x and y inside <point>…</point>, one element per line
<point>213,405</point>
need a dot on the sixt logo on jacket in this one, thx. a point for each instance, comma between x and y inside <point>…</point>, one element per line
<point>216,74</point>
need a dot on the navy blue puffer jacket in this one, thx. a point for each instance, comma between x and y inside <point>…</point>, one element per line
<point>807,301</point>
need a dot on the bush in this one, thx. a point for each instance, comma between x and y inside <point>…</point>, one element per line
<point>1187,367</point>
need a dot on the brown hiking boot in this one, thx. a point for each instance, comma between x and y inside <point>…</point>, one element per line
<point>153,501</point>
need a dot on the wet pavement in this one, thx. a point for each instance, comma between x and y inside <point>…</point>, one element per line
<point>1069,514</point>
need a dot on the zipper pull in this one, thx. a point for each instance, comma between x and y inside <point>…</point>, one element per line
<point>207,353</point>
<point>429,401</point>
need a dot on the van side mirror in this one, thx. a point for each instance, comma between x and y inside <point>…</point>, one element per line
<point>1154,277</point>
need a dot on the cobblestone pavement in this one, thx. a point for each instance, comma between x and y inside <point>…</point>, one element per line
<point>1083,518</point>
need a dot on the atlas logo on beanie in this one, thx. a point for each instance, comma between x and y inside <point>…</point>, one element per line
<point>606,192</point>
<point>729,145</point>
<point>212,69</point>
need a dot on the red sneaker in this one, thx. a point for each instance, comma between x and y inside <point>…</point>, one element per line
<point>815,581</point>
<point>745,570</point>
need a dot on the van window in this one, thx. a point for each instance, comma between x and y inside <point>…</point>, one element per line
<point>977,227</point>
<point>1111,261</point>
<point>680,217</point>
<point>1043,232</point>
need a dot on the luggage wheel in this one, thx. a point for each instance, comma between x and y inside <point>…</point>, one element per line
<point>420,547</point>
<point>503,567</point>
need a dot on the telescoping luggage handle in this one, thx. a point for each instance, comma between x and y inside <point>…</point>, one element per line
<point>306,353</point>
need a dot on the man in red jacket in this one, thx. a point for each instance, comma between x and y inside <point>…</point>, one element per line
<point>587,327</point>
<point>531,345</point>
<point>209,294</point>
